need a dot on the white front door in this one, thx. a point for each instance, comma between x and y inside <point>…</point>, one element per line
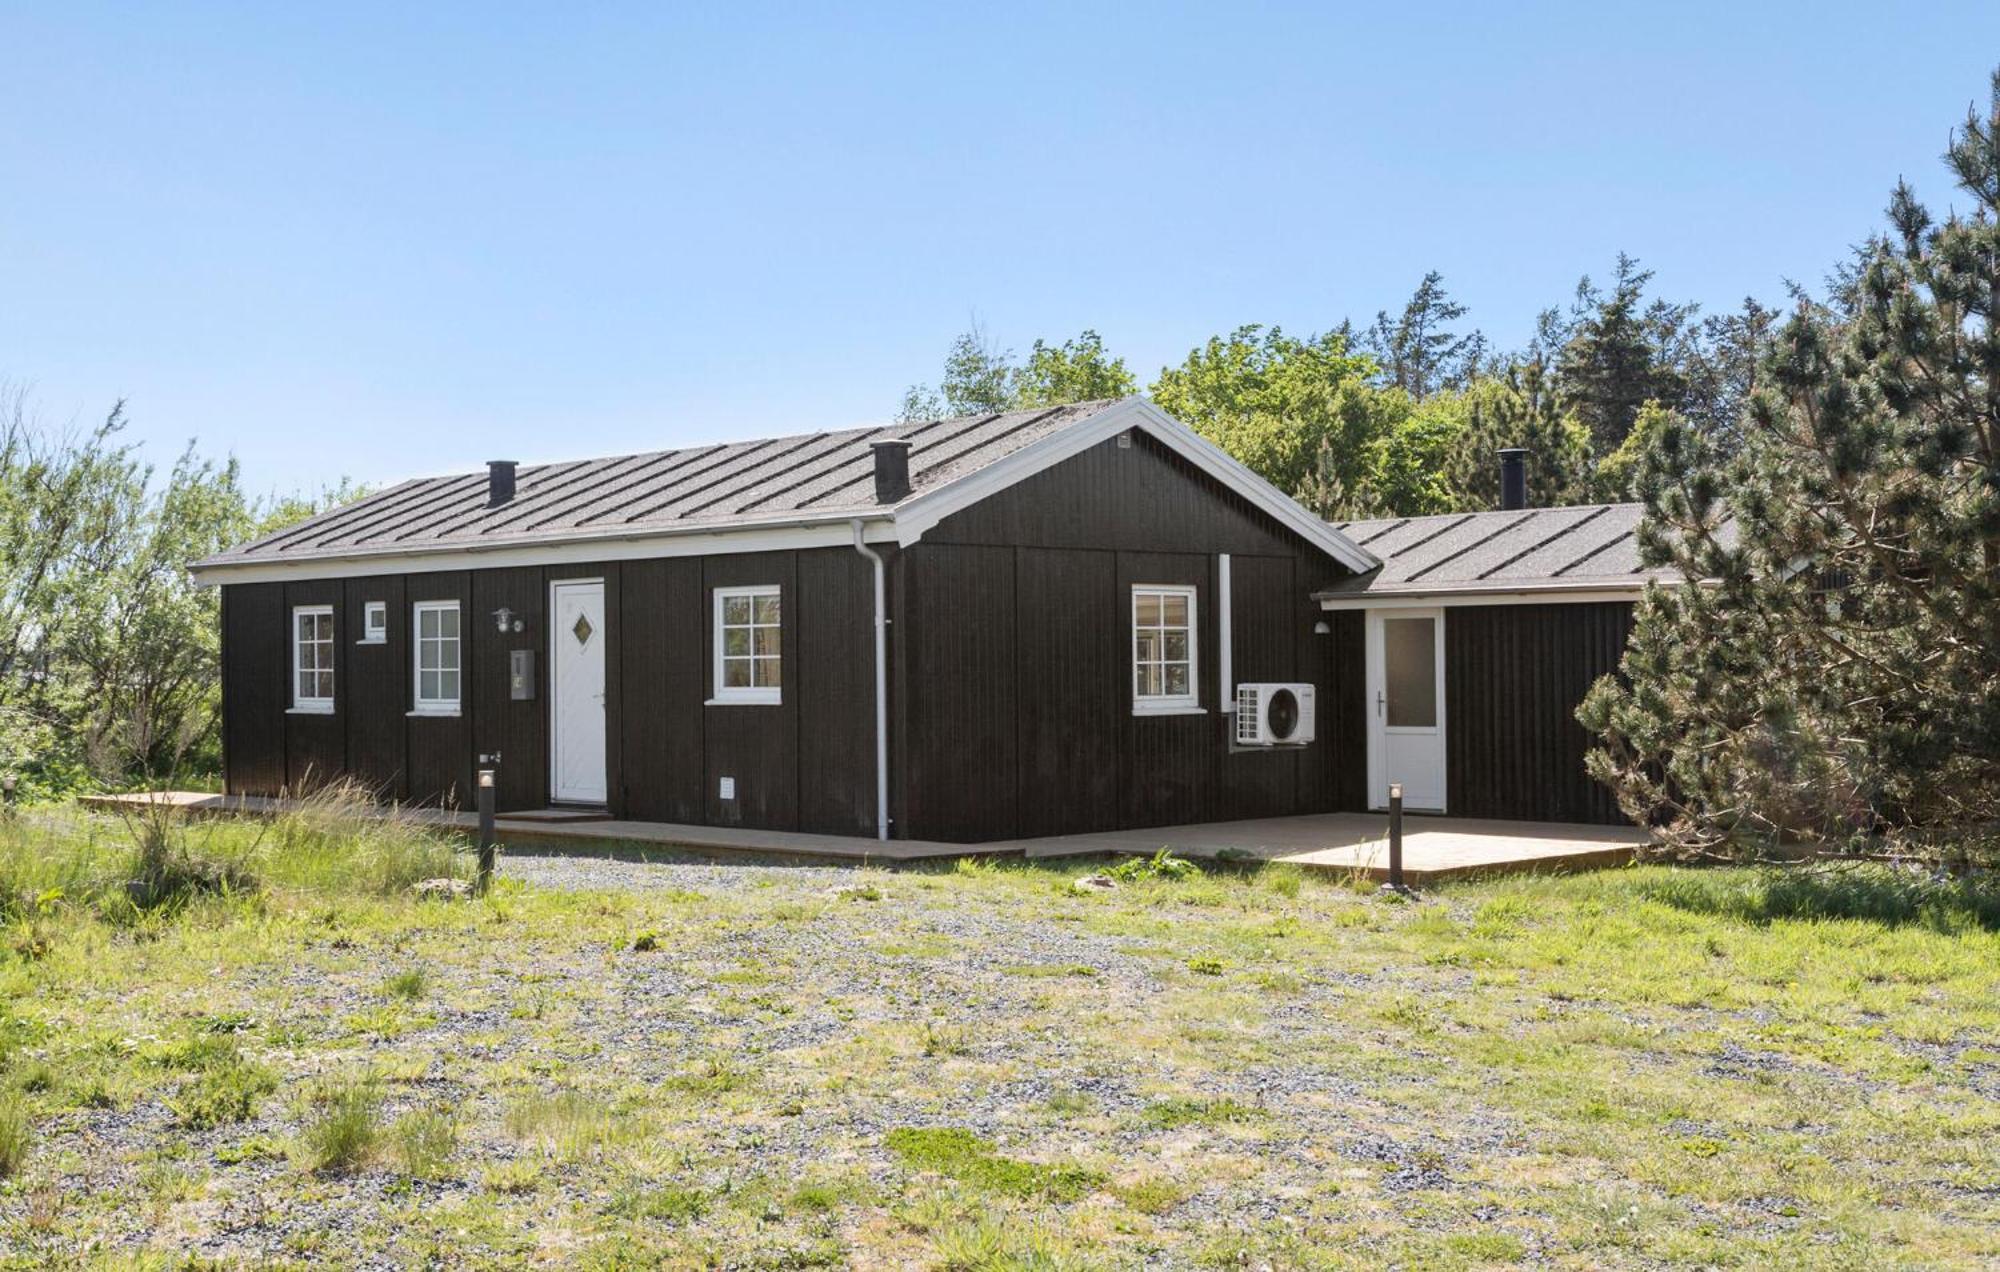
<point>1406,707</point>
<point>576,691</point>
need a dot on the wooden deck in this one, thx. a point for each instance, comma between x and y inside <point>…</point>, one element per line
<point>1434,848</point>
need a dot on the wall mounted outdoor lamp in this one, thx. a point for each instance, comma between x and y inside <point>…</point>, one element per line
<point>506,620</point>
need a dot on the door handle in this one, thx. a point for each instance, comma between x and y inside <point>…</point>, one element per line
<point>1379,702</point>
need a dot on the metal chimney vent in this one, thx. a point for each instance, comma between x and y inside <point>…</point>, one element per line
<point>892,469</point>
<point>1513,479</point>
<point>499,481</point>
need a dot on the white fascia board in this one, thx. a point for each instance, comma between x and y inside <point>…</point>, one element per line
<point>916,516</point>
<point>836,531</point>
<point>1489,596</point>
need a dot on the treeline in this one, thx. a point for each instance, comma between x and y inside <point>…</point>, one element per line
<point>108,651</point>
<point>1402,417</point>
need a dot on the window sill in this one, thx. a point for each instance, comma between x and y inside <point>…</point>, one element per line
<point>433,713</point>
<point>325,710</point>
<point>373,640</point>
<point>771,700</point>
<point>1169,711</point>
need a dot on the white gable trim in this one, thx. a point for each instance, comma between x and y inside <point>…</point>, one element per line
<point>916,516</point>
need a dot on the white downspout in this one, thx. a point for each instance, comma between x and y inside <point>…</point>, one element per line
<point>881,688</point>
<point>1225,620</point>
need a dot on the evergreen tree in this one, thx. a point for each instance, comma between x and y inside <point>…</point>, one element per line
<point>1419,352</point>
<point>1620,354</point>
<point>1721,371</point>
<point>1521,410</point>
<point>1830,671</point>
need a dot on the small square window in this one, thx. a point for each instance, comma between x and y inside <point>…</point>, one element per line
<point>374,623</point>
<point>749,634</point>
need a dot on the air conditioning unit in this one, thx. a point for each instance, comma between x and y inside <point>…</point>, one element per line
<point>1274,715</point>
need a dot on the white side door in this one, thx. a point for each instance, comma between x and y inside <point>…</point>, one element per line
<point>1406,707</point>
<point>576,692</point>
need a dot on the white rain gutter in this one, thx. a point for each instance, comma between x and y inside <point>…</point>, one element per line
<point>881,686</point>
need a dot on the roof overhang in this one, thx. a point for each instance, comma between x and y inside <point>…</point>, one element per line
<point>1552,593</point>
<point>914,517</point>
<point>830,531</point>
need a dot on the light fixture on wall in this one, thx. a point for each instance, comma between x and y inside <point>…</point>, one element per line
<point>506,620</point>
<point>1321,628</point>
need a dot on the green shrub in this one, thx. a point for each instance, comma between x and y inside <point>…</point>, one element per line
<point>424,1142</point>
<point>1181,1111</point>
<point>1161,865</point>
<point>568,1124</point>
<point>408,984</point>
<point>346,1128</point>
<point>222,1095</point>
<point>156,860</point>
<point>661,1205</point>
<point>958,1154</point>
<point>17,1135</point>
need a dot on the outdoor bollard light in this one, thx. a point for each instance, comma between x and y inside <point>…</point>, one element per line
<point>1396,837</point>
<point>485,831</point>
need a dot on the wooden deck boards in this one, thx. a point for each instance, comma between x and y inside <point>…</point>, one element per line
<point>1433,847</point>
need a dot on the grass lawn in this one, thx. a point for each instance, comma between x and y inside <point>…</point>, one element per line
<point>277,1056</point>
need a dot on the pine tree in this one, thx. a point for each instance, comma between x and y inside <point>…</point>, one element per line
<point>1620,354</point>
<point>1419,352</point>
<point>1830,669</point>
<point>1523,411</point>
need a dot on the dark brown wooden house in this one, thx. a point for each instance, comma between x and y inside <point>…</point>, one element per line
<point>1033,623</point>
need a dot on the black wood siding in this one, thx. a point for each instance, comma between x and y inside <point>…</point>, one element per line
<point>315,744</point>
<point>956,646</point>
<point>1344,713</point>
<point>662,620</point>
<point>1013,693</point>
<point>807,763</point>
<point>833,681</point>
<point>256,654</point>
<point>1514,675</point>
<point>377,690</point>
<point>1071,645</point>
<point>1010,673</point>
<point>755,744</point>
<point>438,749</point>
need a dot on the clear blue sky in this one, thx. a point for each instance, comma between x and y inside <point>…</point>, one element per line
<point>383,241</point>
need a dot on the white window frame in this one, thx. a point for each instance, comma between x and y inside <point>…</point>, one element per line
<point>754,694</point>
<point>1188,703</point>
<point>374,623</point>
<point>303,703</point>
<point>436,706</point>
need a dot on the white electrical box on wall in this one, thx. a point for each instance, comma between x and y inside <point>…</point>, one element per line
<point>728,788</point>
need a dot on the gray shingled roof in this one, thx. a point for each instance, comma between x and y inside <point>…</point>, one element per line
<point>778,480</point>
<point>1534,549</point>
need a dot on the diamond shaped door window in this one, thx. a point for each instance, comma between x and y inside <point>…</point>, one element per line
<point>582,629</point>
